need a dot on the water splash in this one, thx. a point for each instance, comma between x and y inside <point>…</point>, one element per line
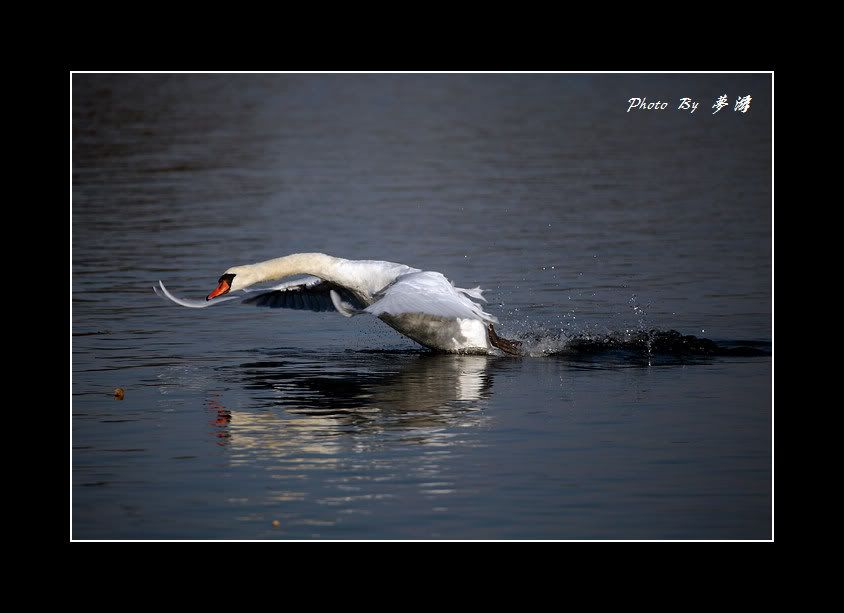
<point>644,344</point>
<point>641,315</point>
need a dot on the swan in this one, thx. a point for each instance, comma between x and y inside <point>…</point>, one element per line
<point>422,305</point>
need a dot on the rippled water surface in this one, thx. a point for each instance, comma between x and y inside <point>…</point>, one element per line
<point>589,227</point>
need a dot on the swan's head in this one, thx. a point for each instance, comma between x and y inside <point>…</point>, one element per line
<point>235,278</point>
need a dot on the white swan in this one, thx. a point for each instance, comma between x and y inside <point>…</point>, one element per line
<point>422,305</point>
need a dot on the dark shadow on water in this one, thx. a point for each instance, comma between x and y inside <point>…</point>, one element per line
<point>662,342</point>
<point>637,348</point>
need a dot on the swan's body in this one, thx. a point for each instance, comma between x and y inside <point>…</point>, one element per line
<point>422,305</point>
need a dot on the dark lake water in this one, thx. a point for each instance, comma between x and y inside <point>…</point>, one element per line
<point>582,221</point>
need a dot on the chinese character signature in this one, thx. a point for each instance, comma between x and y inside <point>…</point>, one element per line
<point>742,103</point>
<point>720,103</point>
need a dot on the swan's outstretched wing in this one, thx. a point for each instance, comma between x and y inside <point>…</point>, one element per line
<point>308,293</point>
<point>313,294</point>
<point>428,293</point>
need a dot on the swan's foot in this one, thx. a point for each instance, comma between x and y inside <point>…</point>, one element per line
<point>507,346</point>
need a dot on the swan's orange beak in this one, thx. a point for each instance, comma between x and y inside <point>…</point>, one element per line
<point>221,289</point>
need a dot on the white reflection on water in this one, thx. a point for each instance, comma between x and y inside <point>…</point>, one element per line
<point>319,410</point>
<point>347,429</point>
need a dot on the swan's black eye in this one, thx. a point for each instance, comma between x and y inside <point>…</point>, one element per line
<point>227,278</point>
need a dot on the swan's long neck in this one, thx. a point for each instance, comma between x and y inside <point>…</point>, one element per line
<point>317,264</point>
<point>365,277</point>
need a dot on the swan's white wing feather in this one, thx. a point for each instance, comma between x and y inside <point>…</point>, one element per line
<point>346,309</point>
<point>476,292</point>
<point>190,303</point>
<point>428,293</point>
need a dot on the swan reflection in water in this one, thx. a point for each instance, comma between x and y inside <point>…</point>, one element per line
<point>317,406</point>
<point>334,438</point>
